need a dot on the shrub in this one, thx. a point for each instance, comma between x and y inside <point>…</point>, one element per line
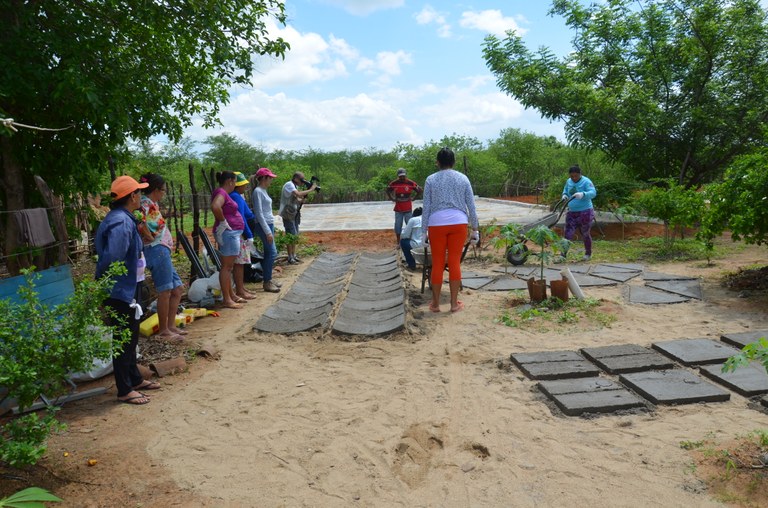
<point>40,346</point>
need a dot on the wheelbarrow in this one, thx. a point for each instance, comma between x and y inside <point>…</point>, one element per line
<point>423,257</point>
<point>518,256</point>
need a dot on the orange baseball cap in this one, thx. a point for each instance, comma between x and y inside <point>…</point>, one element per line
<point>124,185</point>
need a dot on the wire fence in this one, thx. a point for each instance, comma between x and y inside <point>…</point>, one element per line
<point>180,210</point>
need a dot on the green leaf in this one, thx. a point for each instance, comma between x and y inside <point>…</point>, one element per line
<point>32,497</point>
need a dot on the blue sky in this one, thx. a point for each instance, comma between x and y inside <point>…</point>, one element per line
<point>372,73</point>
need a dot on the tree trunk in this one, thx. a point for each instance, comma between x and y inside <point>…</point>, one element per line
<point>13,188</point>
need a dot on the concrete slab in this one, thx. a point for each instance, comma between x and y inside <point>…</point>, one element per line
<point>506,284</point>
<point>575,397</point>
<point>282,326</point>
<point>520,271</point>
<point>695,351</point>
<point>664,276</point>
<point>554,365</point>
<point>586,281</point>
<point>632,267</point>
<point>748,381</point>
<point>371,317</point>
<point>300,299</point>
<point>372,294</point>
<point>473,275</point>
<point>277,312</point>
<point>578,268</point>
<point>475,282</point>
<point>617,276</point>
<point>689,288</point>
<point>559,370</point>
<point>741,339</point>
<point>545,356</point>
<point>372,305</point>
<point>343,327</point>
<point>642,294</point>
<point>617,267</point>
<point>625,358</point>
<point>301,306</point>
<point>374,282</point>
<point>675,386</point>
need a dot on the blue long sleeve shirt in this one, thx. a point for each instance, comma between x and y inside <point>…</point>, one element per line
<point>118,239</point>
<point>245,211</point>
<point>584,185</point>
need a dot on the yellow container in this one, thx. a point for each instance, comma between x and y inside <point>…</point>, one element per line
<point>150,326</point>
<point>201,312</point>
<point>184,319</point>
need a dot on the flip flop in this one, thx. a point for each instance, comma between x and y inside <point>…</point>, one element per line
<point>459,306</point>
<point>247,297</point>
<point>238,299</point>
<point>134,400</point>
<point>434,309</point>
<point>148,385</point>
<point>232,306</point>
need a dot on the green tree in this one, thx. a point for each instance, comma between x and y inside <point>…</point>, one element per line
<point>740,202</point>
<point>227,152</point>
<point>669,88</point>
<point>107,72</point>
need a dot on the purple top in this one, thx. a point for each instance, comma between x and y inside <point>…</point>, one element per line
<point>230,210</point>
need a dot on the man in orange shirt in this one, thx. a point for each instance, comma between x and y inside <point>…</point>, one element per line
<point>402,191</point>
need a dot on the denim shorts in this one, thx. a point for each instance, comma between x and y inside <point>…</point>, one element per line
<point>229,241</point>
<point>159,263</point>
<point>291,227</point>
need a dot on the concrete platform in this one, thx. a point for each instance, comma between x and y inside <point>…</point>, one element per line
<point>676,386</point>
<point>741,339</point>
<point>575,397</point>
<point>378,215</point>
<point>554,365</point>
<point>695,351</point>
<point>621,359</point>
<point>616,276</point>
<point>475,282</point>
<point>748,381</point>
<point>652,276</point>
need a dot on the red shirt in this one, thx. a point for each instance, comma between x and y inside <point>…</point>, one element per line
<point>402,191</point>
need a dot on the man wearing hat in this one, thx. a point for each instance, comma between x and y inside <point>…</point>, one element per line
<point>402,191</point>
<point>580,211</point>
<point>118,240</point>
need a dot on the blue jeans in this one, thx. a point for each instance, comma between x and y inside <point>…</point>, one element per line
<point>400,219</point>
<point>405,245</point>
<point>270,251</point>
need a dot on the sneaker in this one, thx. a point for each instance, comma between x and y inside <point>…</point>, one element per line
<point>269,287</point>
<point>276,283</point>
<point>586,257</point>
<point>292,261</point>
<point>296,258</point>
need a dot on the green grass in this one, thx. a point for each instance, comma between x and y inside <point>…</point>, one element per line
<point>655,250</point>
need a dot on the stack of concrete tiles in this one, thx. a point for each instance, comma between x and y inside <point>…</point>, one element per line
<point>375,303</point>
<point>311,298</point>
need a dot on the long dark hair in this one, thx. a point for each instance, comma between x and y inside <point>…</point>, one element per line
<point>223,176</point>
<point>154,180</point>
<point>446,158</point>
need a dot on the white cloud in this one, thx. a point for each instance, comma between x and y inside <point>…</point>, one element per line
<point>428,15</point>
<point>365,7</point>
<point>386,65</point>
<point>491,21</point>
<point>310,59</point>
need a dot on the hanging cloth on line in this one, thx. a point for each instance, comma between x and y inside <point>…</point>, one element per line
<point>34,228</point>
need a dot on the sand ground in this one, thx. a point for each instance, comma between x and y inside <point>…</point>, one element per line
<point>434,416</point>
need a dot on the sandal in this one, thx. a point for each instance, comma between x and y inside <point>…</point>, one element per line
<point>459,306</point>
<point>237,299</point>
<point>232,305</point>
<point>137,400</point>
<point>147,385</point>
<point>434,308</point>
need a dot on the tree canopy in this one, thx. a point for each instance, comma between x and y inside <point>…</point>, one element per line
<point>669,88</point>
<point>106,72</point>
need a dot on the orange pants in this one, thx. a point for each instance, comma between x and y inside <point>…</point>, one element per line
<point>451,239</point>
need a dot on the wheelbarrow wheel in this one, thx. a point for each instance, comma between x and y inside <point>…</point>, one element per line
<point>517,257</point>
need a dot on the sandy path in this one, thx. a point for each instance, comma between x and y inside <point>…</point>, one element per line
<point>435,417</point>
